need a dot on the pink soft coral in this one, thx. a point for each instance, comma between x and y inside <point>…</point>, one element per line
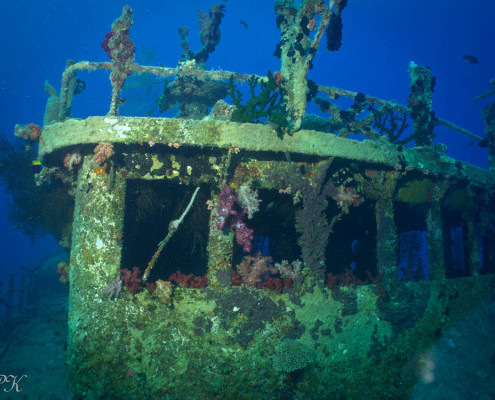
<point>102,152</point>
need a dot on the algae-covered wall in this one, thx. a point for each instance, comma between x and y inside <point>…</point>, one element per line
<point>249,343</point>
<point>212,259</point>
<point>230,339</point>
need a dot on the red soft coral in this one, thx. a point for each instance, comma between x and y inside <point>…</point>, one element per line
<point>132,280</point>
<point>189,280</point>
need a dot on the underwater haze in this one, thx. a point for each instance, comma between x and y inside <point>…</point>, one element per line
<point>380,38</point>
<point>454,38</point>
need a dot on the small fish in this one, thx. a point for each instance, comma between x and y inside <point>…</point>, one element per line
<point>244,24</point>
<point>36,168</point>
<point>470,59</point>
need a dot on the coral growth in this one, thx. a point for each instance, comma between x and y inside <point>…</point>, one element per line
<point>132,280</point>
<point>424,120</point>
<point>347,197</point>
<point>63,269</point>
<point>311,219</point>
<point>226,209</point>
<point>189,281</point>
<point>164,291</point>
<point>275,284</point>
<point>335,26</point>
<point>243,235</point>
<point>348,278</point>
<point>193,96</point>
<point>334,33</point>
<point>292,355</point>
<point>52,109</point>
<point>248,200</point>
<point>222,111</point>
<point>72,159</point>
<point>114,288</point>
<point>120,48</point>
<point>257,271</point>
<point>228,213</point>
<point>299,45</point>
<point>37,209</point>
<point>267,105</point>
<point>390,123</point>
<point>289,270</point>
<point>102,152</point>
<point>209,35</point>
<point>252,268</point>
<point>30,132</point>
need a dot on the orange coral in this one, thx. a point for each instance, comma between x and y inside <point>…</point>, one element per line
<point>101,170</point>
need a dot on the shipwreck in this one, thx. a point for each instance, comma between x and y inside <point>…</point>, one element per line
<point>252,250</point>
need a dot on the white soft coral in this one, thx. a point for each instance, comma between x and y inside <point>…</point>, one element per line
<point>248,199</point>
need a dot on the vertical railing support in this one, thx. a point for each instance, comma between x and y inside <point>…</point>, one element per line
<point>420,100</point>
<point>386,232</point>
<point>489,116</point>
<point>435,237</point>
<point>67,91</point>
<point>471,243</point>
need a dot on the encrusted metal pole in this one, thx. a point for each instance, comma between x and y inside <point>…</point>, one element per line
<point>173,226</point>
<point>435,237</point>
<point>386,232</point>
<point>95,259</point>
<point>297,48</point>
<point>67,91</point>
<point>69,76</point>
<point>420,100</point>
<point>436,233</point>
<point>489,116</point>
<point>471,243</point>
<point>121,50</point>
<point>220,253</point>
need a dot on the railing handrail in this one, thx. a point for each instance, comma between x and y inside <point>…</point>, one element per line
<point>190,70</point>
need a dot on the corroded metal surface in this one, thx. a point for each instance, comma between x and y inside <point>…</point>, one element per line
<point>225,338</point>
<point>255,137</point>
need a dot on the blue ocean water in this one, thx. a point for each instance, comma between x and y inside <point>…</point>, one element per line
<point>380,38</point>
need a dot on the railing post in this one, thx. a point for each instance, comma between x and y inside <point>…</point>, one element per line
<point>420,100</point>
<point>489,116</point>
<point>67,90</point>
<point>386,232</point>
<point>435,236</point>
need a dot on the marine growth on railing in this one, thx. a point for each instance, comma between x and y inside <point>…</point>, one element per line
<point>280,98</point>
